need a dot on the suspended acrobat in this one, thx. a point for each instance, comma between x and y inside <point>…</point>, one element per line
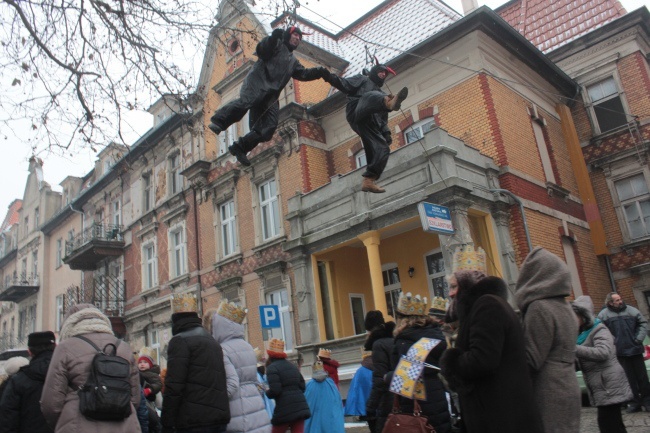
<point>367,113</point>
<point>275,66</point>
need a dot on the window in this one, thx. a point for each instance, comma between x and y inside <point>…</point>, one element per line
<point>59,252</point>
<point>360,159</point>
<point>154,343</point>
<point>270,212</point>
<point>178,252</point>
<point>543,151</point>
<point>34,264</point>
<point>436,274</point>
<point>229,136</point>
<point>228,228</point>
<point>607,110</point>
<point>635,203</point>
<point>392,286</point>
<point>417,130</point>
<point>23,270</point>
<point>26,230</point>
<point>285,332</point>
<point>147,199</point>
<point>37,218</point>
<point>116,213</point>
<point>175,180</point>
<point>59,312</point>
<point>358,308</point>
<point>149,267</point>
<point>572,264</point>
<point>66,194</point>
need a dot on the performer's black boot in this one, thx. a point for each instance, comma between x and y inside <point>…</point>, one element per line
<point>214,128</point>
<point>394,102</point>
<point>239,153</point>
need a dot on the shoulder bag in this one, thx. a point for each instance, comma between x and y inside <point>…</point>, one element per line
<point>398,422</point>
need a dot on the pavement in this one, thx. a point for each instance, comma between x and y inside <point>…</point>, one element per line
<point>634,422</point>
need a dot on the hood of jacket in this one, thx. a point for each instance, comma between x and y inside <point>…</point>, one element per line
<point>414,333</point>
<point>466,297</point>
<point>85,321</point>
<point>543,275</point>
<point>37,368</point>
<point>384,331</point>
<point>224,329</point>
<point>584,306</point>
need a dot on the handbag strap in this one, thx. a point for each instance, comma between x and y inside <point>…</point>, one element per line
<point>417,411</point>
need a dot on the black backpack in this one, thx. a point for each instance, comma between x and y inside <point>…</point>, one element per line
<point>106,395</point>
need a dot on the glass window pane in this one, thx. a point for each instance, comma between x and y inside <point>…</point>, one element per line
<point>610,114</point>
<point>639,185</point>
<point>633,220</point>
<point>624,189</point>
<point>276,218</point>
<point>272,192</point>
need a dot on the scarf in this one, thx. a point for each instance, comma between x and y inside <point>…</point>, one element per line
<point>86,321</point>
<point>584,334</point>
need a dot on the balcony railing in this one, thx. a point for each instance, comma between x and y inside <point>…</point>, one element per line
<point>19,287</point>
<point>107,293</point>
<point>9,341</point>
<point>94,244</point>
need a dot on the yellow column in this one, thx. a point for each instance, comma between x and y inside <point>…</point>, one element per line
<point>596,228</point>
<point>372,240</point>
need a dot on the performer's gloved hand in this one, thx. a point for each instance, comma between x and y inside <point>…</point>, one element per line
<point>277,34</point>
<point>388,137</point>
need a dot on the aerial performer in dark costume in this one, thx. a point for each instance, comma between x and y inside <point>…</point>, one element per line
<point>261,89</point>
<point>367,113</point>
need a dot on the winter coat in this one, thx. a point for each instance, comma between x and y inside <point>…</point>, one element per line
<point>20,408</point>
<point>195,383</point>
<point>629,328</point>
<point>355,403</point>
<point>271,73</point>
<point>287,387</point>
<point>604,377</point>
<point>435,408</point>
<point>143,413</point>
<point>151,379</point>
<point>550,329</point>
<point>325,405</point>
<point>331,367</point>
<point>382,343</point>
<point>488,366</point>
<point>247,411</point>
<point>69,369</point>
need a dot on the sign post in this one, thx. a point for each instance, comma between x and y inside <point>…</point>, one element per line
<point>270,316</point>
<point>435,218</point>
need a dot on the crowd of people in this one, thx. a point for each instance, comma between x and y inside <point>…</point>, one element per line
<point>485,368</point>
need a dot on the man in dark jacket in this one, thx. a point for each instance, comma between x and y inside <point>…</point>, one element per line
<point>367,113</point>
<point>20,409</point>
<point>195,398</point>
<point>629,328</point>
<point>261,90</point>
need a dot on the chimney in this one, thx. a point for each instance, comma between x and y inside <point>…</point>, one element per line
<point>469,6</point>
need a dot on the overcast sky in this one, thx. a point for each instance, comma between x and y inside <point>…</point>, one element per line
<point>15,155</point>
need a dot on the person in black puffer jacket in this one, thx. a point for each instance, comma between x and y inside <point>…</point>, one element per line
<point>380,341</point>
<point>20,408</point>
<point>412,325</point>
<point>195,394</point>
<point>287,387</point>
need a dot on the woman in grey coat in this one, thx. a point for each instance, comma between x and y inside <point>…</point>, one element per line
<point>549,333</point>
<point>247,411</point>
<point>605,379</point>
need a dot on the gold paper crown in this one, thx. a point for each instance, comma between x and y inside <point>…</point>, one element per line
<point>184,303</point>
<point>439,303</point>
<point>324,353</point>
<point>148,351</point>
<point>411,305</point>
<point>365,353</point>
<point>276,345</point>
<point>468,259</point>
<point>317,366</point>
<point>231,312</point>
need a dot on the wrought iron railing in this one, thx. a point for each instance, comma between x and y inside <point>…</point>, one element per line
<point>96,232</point>
<point>107,293</point>
<point>29,280</point>
<point>10,341</point>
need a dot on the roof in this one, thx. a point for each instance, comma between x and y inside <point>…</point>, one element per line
<point>549,24</point>
<point>382,30</point>
<point>12,215</point>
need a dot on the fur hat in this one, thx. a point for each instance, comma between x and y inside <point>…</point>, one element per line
<point>374,319</point>
<point>14,364</point>
<point>36,339</point>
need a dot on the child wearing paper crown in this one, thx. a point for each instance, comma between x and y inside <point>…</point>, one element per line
<point>330,365</point>
<point>324,403</point>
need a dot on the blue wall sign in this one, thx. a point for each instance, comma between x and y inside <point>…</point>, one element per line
<point>270,316</point>
<point>435,218</point>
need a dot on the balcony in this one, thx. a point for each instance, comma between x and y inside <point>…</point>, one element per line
<point>93,245</point>
<point>19,288</point>
<point>10,342</point>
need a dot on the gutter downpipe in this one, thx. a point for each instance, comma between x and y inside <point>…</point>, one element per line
<point>610,274</point>
<point>199,298</point>
<point>521,209</point>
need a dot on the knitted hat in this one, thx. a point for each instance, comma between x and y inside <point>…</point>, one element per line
<point>36,339</point>
<point>374,319</point>
<point>146,359</point>
<point>14,364</point>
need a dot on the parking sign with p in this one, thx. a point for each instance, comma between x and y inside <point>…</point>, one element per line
<point>270,316</point>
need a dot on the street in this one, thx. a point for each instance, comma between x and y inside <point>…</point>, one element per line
<point>636,422</point>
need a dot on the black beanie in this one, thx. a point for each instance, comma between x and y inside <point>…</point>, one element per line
<point>36,339</point>
<point>373,320</point>
<point>186,314</point>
